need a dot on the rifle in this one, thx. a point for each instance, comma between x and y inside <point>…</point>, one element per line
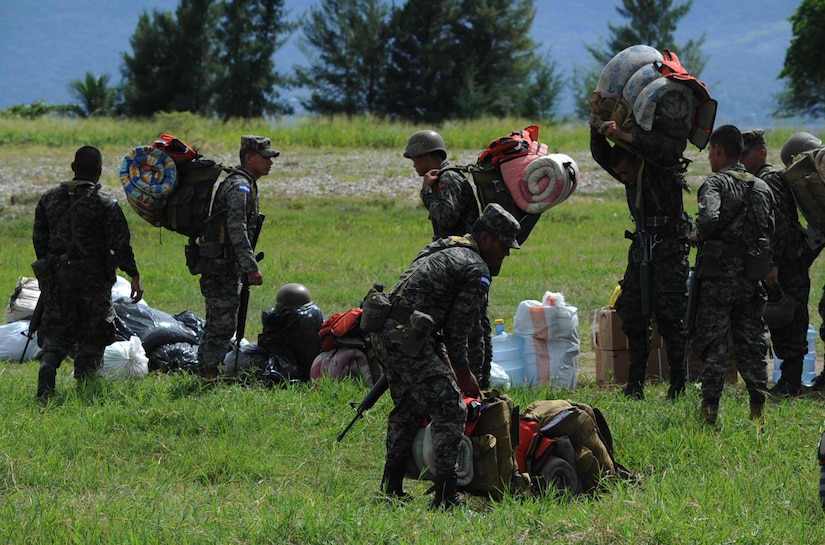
<point>690,315</point>
<point>643,255</point>
<point>34,325</point>
<point>243,307</point>
<point>375,393</point>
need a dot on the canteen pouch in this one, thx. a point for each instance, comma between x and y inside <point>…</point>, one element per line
<point>211,258</point>
<point>193,257</point>
<point>376,311</point>
<point>411,338</point>
<point>710,259</point>
<point>758,261</point>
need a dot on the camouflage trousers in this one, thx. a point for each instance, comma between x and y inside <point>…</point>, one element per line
<point>668,285</point>
<point>222,295</point>
<point>735,305</point>
<point>791,342</point>
<point>430,392</point>
<point>78,322</point>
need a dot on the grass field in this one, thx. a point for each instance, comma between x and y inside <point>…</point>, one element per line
<point>167,459</point>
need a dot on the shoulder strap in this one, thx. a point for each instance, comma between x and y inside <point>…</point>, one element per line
<point>73,201</point>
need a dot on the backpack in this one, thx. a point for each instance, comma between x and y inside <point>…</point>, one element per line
<point>546,429</point>
<point>169,185</point>
<point>806,178</point>
<point>504,148</point>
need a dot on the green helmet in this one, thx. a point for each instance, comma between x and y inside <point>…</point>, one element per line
<point>798,143</point>
<point>423,142</point>
<point>292,296</point>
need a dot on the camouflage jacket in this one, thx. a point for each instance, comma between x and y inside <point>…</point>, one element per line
<point>100,226</point>
<point>658,195</point>
<point>451,203</point>
<point>236,209</point>
<point>788,243</point>
<point>719,199</point>
<point>449,281</point>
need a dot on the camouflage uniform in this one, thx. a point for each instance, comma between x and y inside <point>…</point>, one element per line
<point>236,201</point>
<point>793,257</point>
<point>730,302</point>
<point>666,219</point>
<point>78,317</point>
<point>451,203</point>
<point>449,282</point>
<point>453,210</point>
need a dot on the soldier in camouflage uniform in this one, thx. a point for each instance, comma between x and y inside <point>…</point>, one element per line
<point>735,217</point>
<point>653,180</point>
<point>792,257</point>
<point>235,208</point>
<point>452,205</point>
<point>443,291</point>
<point>80,236</point>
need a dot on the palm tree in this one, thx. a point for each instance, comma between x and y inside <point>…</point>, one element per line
<point>94,94</point>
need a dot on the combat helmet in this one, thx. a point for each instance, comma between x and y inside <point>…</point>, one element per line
<point>798,143</point>
<point>292,295</point>
<point>422,142</point>
<point>779,310</point>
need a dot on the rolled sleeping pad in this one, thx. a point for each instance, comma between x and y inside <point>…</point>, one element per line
<point>623,65</point>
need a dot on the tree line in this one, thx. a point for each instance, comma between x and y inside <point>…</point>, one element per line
<point>417,60</point>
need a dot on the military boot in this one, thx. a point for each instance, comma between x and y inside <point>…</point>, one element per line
<point>709,413</point>
<point>677,383</point>
<point>446,494</point>
<point>790,383</point>
<point>756,411</point>
<point>46,377</point>
<point>392,482</point>
<point>636,380</point>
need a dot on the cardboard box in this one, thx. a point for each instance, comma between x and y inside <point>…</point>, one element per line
<point>606,331</point>
<point>613,365</point>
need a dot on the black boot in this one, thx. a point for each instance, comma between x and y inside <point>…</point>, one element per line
<point>790,383</point>
<point>636,380</point>
<point>49,363</point>
<point>392,482</point>
<point>677,383</point>
<point>446,495</point>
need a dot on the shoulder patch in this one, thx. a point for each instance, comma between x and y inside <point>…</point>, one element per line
<point>486,280</point>
<point>244,188</point>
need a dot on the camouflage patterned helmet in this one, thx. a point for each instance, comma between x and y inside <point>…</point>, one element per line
<point>292,296</point>
<point>778,311</point>
<point>423,142</point>
<point>798,143</point>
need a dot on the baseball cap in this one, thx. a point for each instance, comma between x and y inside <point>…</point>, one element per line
<point>259,144</point>
<point>502,224</point>
<point>752,139</point>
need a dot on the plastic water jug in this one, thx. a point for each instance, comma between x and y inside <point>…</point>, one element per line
<point>508,353</point>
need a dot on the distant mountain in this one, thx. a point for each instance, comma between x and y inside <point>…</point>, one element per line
<point>48,43</point>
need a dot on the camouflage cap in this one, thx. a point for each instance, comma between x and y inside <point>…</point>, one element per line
<point>259,144</point>
<point>753,139</point>
<point>502,224</point>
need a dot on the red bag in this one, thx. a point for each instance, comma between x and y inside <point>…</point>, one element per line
<point>339,325</point>
<point>515,144</point>
<point>175,148</point>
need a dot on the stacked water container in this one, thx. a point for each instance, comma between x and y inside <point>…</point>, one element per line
<point>808,362</point>
<point>508,352</point>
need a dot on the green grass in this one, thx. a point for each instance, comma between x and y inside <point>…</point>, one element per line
<point>168,460</point>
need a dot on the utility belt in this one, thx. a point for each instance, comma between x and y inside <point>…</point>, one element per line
<point>208,257</point>
<point>756,260</point>
<point>74,271</point>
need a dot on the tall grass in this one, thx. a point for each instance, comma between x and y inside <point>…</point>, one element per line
<point>167,459</point>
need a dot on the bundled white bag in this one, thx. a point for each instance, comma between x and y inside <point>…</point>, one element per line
<point>125,359</point>
<point>23,300</point>
<point>550,329</point>
<point>13,340</point>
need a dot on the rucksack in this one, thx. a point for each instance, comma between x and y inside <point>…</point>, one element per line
<point>170,185</point>
<point>806,178</point>
<point>515,144</point>
<point>341,329</point>
<point>548,424</point>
